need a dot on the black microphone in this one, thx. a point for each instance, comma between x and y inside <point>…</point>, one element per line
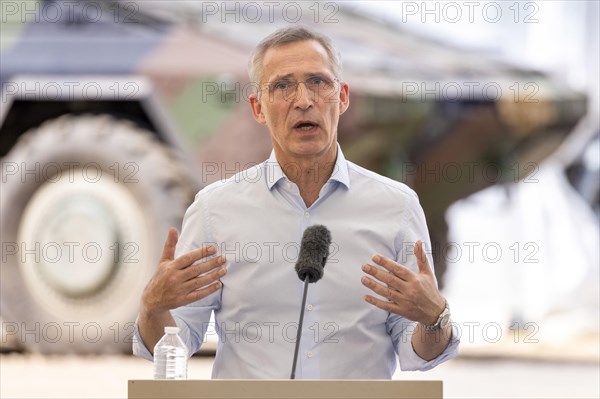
<point>314,250</point>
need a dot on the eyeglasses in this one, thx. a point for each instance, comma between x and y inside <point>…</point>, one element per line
<point>318,86</point>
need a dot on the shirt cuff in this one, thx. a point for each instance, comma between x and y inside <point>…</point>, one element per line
<point>410,361</point>
<point>139,349</point>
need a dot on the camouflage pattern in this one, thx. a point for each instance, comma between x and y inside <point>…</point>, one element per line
<point>445,121</point>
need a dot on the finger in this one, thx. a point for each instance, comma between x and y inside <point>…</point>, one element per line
<point>204,267</point>
<point>390,307</point>
<point>400,271</point>
<point>202,293</point>
<point>170,244</point>
<point>422,261</point>
<point>385,291</point>
<point>384,276</point>
<point>204,280</point>
<point>187,259</point>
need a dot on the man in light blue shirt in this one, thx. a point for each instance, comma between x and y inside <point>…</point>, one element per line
<point>378,298</point>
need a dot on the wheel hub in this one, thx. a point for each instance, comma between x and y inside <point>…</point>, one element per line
<point>78,236</point>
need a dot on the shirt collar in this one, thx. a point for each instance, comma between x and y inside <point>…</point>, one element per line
<point>274,173</point>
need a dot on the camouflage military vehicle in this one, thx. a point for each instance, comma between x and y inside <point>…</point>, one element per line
<point>114,114</point>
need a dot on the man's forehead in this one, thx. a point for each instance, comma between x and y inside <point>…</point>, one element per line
<point>282,60</point>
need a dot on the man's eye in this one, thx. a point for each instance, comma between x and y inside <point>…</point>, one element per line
<point>316,80</point>
<point>282,85</point>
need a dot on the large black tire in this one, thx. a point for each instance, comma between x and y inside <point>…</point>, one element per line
<point>86,204</point>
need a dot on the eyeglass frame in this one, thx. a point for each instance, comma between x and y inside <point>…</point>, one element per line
<point>296,84</point>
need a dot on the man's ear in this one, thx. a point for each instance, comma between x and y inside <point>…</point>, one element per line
<point>344,97</point>
<point>257,109</point>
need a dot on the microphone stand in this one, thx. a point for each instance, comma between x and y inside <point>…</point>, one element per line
<point>293,375</point>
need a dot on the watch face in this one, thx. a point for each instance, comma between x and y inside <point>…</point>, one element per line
<point>445,320</point>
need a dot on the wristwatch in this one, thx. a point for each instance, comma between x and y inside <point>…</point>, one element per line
<point>441,322</point>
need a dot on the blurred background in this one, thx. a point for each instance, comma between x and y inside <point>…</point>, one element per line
<point>115,113</point>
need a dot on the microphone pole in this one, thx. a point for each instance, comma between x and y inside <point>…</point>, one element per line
<point>314,250</point>
<point>299,334</point>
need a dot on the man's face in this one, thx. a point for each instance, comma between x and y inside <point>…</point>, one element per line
<point>303,122</point>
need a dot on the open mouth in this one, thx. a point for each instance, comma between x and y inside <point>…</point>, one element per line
<point>305,125</point>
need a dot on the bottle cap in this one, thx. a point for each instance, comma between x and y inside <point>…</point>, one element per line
<point>171,330</point>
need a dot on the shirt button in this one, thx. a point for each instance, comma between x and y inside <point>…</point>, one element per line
<point>309,354</point>
<point>309,307</point>
<point>306,215</point>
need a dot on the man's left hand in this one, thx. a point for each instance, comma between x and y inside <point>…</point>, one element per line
<point>409,294</point>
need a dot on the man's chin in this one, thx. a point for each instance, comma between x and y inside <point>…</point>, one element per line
<point>310,149</point>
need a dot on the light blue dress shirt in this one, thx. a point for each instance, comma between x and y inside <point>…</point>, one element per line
<point>257,218</point>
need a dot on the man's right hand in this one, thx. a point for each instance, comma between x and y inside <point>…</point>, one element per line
<point>177,282</point>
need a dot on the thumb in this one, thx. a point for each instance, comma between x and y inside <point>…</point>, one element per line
<point>170,244</point>
<point>422,261</point>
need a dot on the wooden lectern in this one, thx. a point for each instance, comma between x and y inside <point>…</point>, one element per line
<point>283,389</point>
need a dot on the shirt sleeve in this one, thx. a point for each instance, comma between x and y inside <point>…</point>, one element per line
<point>414,228</point>
<point>410,361</point>
<point>193,320</point>
<point>139,349</point>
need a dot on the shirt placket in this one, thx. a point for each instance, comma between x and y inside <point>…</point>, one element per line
<point>308,351</point>
<point>309,342</point>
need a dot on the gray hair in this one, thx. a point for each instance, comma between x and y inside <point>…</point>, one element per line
<point>291,35</point>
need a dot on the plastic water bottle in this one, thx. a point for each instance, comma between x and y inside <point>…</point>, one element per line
<point>170,356</point>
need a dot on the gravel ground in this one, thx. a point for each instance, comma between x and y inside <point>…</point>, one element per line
<point>37,376</point>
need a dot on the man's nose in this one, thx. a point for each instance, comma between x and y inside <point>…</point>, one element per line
<point>304,96</point>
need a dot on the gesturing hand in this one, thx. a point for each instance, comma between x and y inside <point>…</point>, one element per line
<point>178,282</point>
<point>409,294</point>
